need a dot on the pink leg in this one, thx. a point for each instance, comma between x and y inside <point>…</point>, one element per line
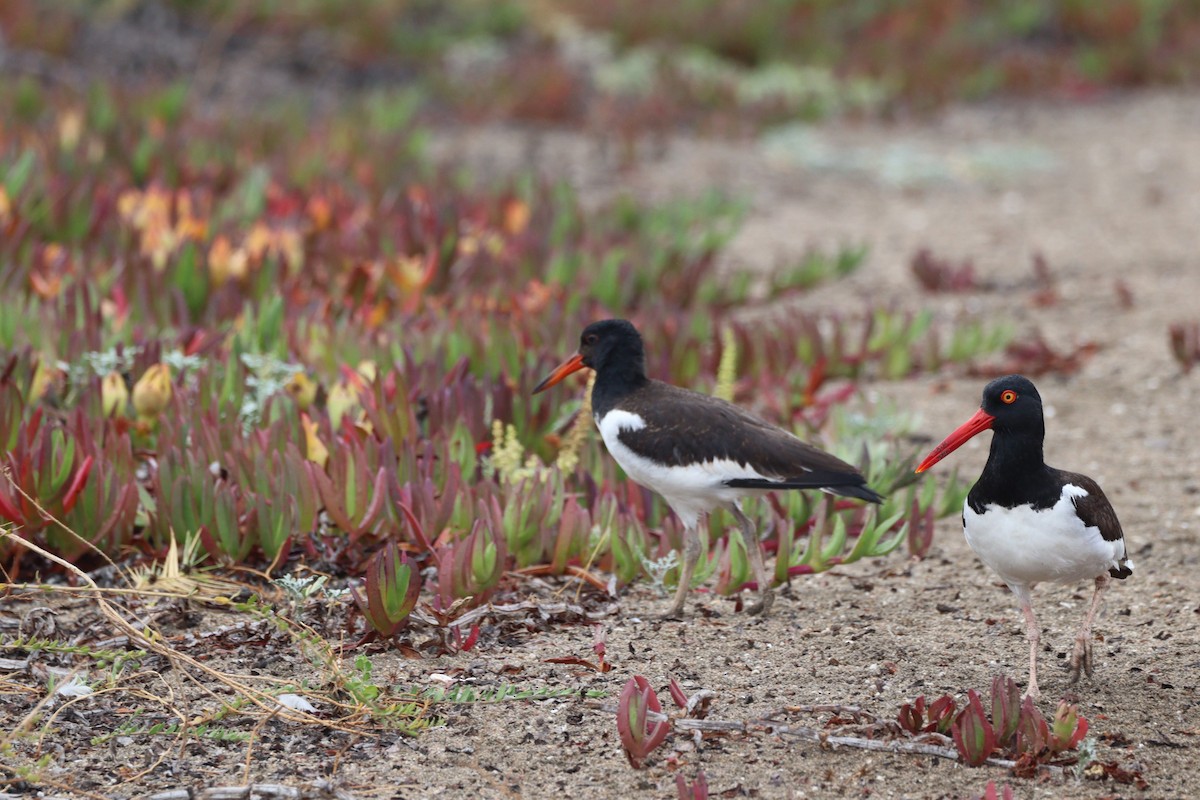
<point>1031,631</point>
<point>1081,658</point>
<point>691,555</point>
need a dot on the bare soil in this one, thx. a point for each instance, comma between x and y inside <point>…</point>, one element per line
<point>1119,204</point>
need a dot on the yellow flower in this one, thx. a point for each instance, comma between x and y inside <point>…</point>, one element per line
<point>516,217</point>
<point>44,377</point>
<point>303,390</point>
<point>343,398</point>
<point>367,369</point>
<point>219,256</point>
<point>70,127</point>
<point>314,449</point>
<point>320,212</point>
<point>152,392</point>
<point>114,395</point>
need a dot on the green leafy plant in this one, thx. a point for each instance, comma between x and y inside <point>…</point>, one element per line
<point>392,587</point>
<point>43,468</point>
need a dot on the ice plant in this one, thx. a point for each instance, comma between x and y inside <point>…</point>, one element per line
<point>471,567</point>
<point>44,469</point>
<point>1006,708</point>
<point>991,792</point>
<point>1068,728</point>
<point>1016,730</point>
<point>639,735</point>
<point>696,790</point>
<point>392,587</point>
<point>917,717</point>
<point>1033,734</point>
<point>677,693</point>
<point>973,734</point>
<point>1184,338</point>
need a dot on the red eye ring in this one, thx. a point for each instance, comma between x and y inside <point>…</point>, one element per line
<point>1008,397</point>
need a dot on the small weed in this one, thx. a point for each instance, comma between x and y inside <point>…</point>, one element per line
<point>104,658</point>
<point>202,731</point>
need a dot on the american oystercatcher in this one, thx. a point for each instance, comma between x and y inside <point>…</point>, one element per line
<point>1032,523</point>
<point>698,452</point>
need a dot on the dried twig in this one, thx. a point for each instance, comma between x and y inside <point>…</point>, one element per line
<point>546,610</point>
<point>321,789</point>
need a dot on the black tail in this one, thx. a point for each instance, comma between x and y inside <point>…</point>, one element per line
<point>832,482</point>
<point>1122,570</point>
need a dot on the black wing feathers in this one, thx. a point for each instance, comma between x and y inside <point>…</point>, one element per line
<point>722,431</point>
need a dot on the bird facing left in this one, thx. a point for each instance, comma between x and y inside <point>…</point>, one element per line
<point>699,452</point>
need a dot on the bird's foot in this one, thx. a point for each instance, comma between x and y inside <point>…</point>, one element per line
<point>1032,692</point>
<point>763,605</point>
<point>1081,659</point>
<point>674,613</point>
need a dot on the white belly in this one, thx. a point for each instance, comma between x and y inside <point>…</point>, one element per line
<point>1025,546</point>
<point>691,490</point>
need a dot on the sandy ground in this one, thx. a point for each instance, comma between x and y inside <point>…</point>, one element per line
<point>1119,201</point>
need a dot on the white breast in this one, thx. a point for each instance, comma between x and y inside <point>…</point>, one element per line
<point>691,490</point>
<point>1025,546</point>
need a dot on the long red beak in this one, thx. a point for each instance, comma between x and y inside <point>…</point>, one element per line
<point>572,364</point>
<point>976,424</point>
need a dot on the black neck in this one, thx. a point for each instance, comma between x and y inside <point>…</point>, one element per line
<point>615,380</point>
<point>1016,473</point>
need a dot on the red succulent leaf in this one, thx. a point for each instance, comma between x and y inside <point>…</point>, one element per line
<point>1006,708</point>
<point>419,532</point>
<point>8,509</point>
<point>599,647</point>
<point>992,793</point>
<point>697,790</point>
<point>639,736</point>
<point>77,483</point>
<point>677,693</point>
<point>973,734</point>
<point>912,716</point>
<point>1033,734</point>
<point>941,714</point>
<point>466,644</point>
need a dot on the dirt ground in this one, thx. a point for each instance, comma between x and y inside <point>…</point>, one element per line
<point>1118,201</point>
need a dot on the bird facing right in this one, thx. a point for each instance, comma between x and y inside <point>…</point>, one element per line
<point>1033,523</point>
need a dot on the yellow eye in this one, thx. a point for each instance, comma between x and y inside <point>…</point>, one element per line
<point>1008,396</point>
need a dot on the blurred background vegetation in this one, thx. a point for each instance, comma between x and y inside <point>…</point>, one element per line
<point>721,65</point>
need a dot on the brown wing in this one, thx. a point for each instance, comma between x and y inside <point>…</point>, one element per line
<point>716,429</point>
<point>1095,510</point>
